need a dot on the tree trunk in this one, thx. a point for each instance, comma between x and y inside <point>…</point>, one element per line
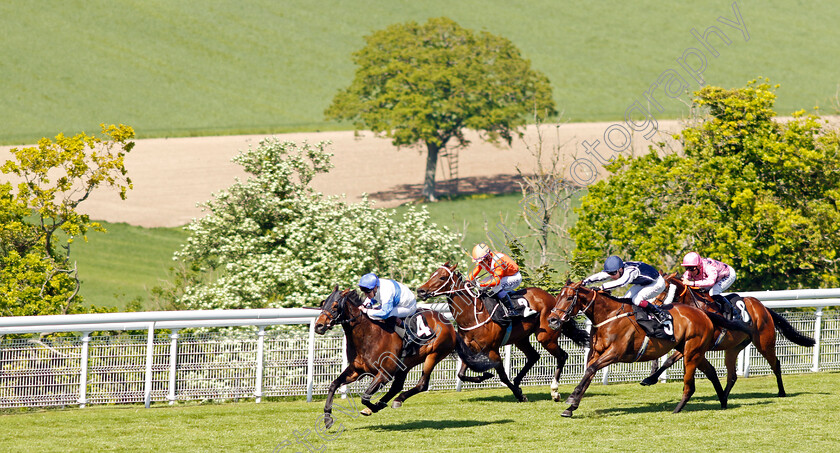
<point>431,170</point>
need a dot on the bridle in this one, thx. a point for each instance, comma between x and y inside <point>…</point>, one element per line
<point>339,306</point>
<point>451,282</point>
<point>567,313</point>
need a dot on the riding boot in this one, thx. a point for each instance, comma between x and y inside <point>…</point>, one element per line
<point>504,298</point>
<point>726,308</point>
<point>409,341</point>
<point>657,313</point>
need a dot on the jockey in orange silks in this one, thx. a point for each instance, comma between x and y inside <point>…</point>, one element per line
<point>504,273</point>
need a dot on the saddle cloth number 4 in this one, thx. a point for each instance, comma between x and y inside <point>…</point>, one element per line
<point>422,330</point>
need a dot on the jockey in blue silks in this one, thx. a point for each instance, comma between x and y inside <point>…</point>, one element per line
<point>646,280</point>
<point>386,298</point>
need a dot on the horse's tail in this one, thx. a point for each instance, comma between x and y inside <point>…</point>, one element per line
<point>578,336</point>
<point>475,361</point>
<point>722,322</point>
<point>790,332</point>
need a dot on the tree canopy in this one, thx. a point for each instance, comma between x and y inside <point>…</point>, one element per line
<point>273,241</point>
<point>758,193</point>
<point>55,177</point>
<point>426,84</point>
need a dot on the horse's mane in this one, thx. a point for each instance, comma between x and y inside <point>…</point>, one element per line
<point>352,296</point>
<point>602,293</point>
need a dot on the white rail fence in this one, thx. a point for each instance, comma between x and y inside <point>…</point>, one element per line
<point>165,365</point>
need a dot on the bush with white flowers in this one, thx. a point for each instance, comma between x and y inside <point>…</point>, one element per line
<point>273,241</point>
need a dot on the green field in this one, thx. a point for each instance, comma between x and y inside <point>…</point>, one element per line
<point>619,417</point>
<point>204,68</point>
<point>126,262</point>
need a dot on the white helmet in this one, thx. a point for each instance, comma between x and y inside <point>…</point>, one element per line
<point>480,251</point>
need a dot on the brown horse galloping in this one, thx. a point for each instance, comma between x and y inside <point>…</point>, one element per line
<point>762,332</point>
<point>616,337</point>
<point>371,350</point>
<point>482,337</point>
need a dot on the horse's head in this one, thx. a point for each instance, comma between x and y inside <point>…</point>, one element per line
<point>335,310</point>
<point>571,300</point>
<point>444,279</point>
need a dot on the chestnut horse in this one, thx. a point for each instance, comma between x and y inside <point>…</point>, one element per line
<point>763,325</point>
<point>479,337</point>
<point>616,337</point>
<point>372,350</point>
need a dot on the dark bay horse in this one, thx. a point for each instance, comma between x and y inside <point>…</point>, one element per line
<point>374,351</point>
<point>762,333</point>
<point>480,338</point>
<point>616,337</point>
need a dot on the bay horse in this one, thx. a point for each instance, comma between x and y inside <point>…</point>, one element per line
<point>616,337</point>
<point>762,333</point>
<point>480,338</point>
<point>374,351</point>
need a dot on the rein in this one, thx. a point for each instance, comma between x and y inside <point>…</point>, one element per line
<point>568,311</point>
<point>451,283</point>
<point>342,317</point>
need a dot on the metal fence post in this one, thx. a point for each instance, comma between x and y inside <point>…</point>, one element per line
<point>150,356</point>
<point>260,355</point>
<point>508,352</point>
<point>817,330</point>
<point>83,370</point>
<point>458,383</point>
<point>343,363</point>
<point>310,362</point>
<point>173,364</point>
<point>746,360</point>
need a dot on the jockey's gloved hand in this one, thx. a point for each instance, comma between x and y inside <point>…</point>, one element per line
<point>585,282</point>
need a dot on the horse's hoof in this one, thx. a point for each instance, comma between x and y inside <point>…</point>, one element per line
<point>328,421</point>
<point>648,381</point>
<point>396,404</point>
<point>566,413</point>
<point>524,399</point>
<point>366,411</point>
<point>555,396</point>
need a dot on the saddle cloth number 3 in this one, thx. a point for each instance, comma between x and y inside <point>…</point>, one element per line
<point>668,327</point>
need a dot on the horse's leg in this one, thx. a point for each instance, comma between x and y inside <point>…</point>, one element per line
<point>693,356</point>
<point>596,362</point>
<point>730,360</point>
<point>549,342</point>
<point>531,358</point>
<point>711,374</point>
<point>379,380</point>
<point>462,375</point>
<point>500,370</point>
<point>423,384</point>
<point>764,339</point>
<point>396,387</point>
<point>348,376</point>
<point>670,361</point>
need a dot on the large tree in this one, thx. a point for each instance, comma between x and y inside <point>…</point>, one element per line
<point>273,241</point>
<point>39,219</point>
<point>756,192</point>
<point>425,84</point>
